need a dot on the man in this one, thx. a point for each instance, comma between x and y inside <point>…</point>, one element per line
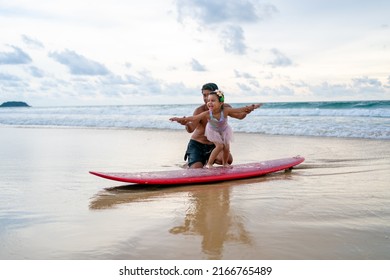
<point>199,148</point>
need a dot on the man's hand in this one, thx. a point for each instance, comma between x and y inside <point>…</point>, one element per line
<point>181,121</point>
<point>252,107</point>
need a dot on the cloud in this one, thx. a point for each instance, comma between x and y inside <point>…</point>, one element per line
<point>358,88</point>
<point>35,71</point>
<point>244,87</point>
<point>11,85</point>
<point>17,56</point>
<point>361,87</point>
<point>196,66</point>
<point>147,81</point>
<point>32,42</point>
<point>283,91</point>
<point>365,85</point>
<point>232,38</point>
<point>279,59</point>
<point>365,82</point>
<point>223,11</point>
<point>8,77</point>
<point>142,82</point>
<point>249,80</point>
<point>78,64</point>
<point>225,17</point>
<point>243,75</point>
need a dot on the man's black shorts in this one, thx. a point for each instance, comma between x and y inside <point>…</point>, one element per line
<point>198,152</point>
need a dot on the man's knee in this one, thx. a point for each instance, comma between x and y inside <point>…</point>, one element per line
<point>197,164</point>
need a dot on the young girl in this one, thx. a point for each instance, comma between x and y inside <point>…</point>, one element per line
<point>217,130</point>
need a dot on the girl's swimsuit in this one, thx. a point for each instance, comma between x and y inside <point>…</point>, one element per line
<point>220,124</point>
<point>218,131</point>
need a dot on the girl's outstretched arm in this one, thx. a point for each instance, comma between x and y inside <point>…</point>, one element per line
<point>232,112</point>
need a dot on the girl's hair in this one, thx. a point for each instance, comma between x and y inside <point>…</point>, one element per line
<point>219,94</point>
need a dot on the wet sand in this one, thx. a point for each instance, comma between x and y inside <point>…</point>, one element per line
<point>335,205</point>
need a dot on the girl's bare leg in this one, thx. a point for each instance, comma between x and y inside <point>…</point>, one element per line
<point>218,148</point>
<point>226,153</point>
<point>219,159</point>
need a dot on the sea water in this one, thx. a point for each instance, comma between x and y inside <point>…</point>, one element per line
<point>349,119</point>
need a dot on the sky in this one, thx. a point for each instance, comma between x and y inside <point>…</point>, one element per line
<point>125,52</point>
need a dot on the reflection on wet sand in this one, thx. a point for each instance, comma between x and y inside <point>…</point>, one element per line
<point>209,214</point>
<point>111,197</point>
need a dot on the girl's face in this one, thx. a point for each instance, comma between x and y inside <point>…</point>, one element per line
<point>213,103</point>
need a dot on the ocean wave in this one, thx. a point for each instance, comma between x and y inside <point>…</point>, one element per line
<point>367,119</point>
<point>337,105</point>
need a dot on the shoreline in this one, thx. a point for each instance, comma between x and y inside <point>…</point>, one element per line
<point>182,130</point>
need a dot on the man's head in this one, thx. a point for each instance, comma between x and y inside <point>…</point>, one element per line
<point>206,89</point>
<point>209,86</point>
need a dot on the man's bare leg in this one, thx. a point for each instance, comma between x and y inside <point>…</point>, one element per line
<point>197,164</point>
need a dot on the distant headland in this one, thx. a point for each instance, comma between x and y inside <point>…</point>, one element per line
<point>14,104</point>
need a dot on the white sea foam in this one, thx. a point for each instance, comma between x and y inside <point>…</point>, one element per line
<point>346,119</point>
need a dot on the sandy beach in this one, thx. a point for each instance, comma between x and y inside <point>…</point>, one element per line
<point>335,205</point>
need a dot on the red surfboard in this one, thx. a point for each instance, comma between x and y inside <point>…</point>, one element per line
<point>205,175</point>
